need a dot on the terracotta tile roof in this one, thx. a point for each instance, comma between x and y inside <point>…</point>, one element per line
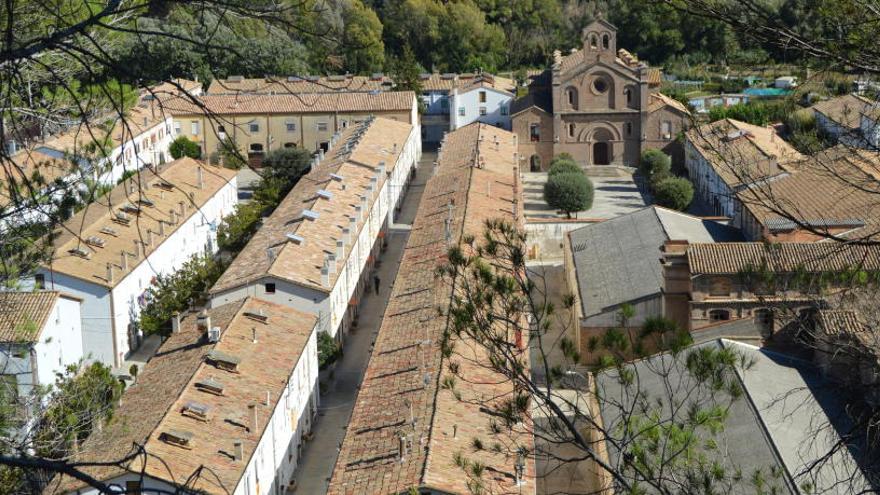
<point>742,153</point>
<point>97,235</point>
<point>845,110</point>
<point>387,101</point>
<point>659,100</point>
<point>834,189</point>
<point>400,393</point>
<point>369,143</point>
<point>576,59</point>
<point>23,314</point>
<point>174,86</point>
<point>840,322</point>
<point>153,405</point>
<point>377,82</point>
<point>786,257</point>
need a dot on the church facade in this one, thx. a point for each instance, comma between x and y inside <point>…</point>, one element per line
<point>599,104</point>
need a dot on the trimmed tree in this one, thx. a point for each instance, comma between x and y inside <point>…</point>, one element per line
<point>563,167</point>
<point>569,192</point>
<point>182,147</point>
<point>655,163</point>
<point>287,165</point>
<point>674,192</point>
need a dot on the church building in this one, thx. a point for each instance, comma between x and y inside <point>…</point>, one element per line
<point>599,104</point>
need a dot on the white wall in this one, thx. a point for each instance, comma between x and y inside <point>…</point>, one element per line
<point>708,185</point>
<point>497,107</point>
<point>60,343</point>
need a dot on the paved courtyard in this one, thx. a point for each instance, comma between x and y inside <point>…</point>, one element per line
<point>616,194</point>
<point>319,454</point>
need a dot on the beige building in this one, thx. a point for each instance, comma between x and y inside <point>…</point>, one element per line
<point>258,123</point>
<point>599,104</point>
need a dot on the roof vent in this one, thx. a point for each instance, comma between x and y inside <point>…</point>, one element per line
<point>214,334</point>
<point>323,193</point>
<point>130,208</point>
<point>146,202</point>
<point>122,217</point>
<point>736,134</point>
<point>179,438</point>
<point>195,410</point>
<point>95,241</point>
<point>336,177</point>
<point>210,386</point>
<point>224,361</point>
<point>298,239</point>
<point>309,215</point>
<point>78,251</point>
<point>164,184</point>
<point>109,231</point>
<point>257,316</point>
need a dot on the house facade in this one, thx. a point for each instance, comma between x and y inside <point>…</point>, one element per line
<point>40,335</point>
<point>239,400</point>
<point>599,104</point>
<point>316,251</point>
<point>850,119</point>
<point>110,253</point>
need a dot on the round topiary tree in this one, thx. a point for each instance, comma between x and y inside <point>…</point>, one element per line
<point>562,157</point>
<point>674,192</point>
<point>564,167</point>
<point>654,162</point>
<point>569,192</point>
<point>182,147</point>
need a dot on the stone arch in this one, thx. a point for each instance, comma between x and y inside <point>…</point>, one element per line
<point>720,314</point>
<point>606,41</point>
<point>535,163</point>
<point>593,40</point>
<point>630,96</point>
<point>598,132</point>
<point>602,144</point>
<point>571,97</point>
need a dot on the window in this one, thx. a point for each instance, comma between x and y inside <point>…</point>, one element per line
<point>322,126</point>
<point>628,128</point>
<point>666,129</point>
<point>254,127</point>
<point>629,95</point>
<point>606,41</point>
<point>270,288</point>
<point>719,286</point>
<point>256,148</point>
<point>570,130</point>
<point>719,315</point>
<point>534,132</point>
<point>39,281</point>
<point>344,124</point>
<point>221,129</point>
<point>594,41</point>
<point>194,127</point>
<point>764,322</point>
<point>482,97</point>
<point>133,487</point>
<point>504,110</point>
<point>600,85</point>
<point>290,145</point>
<point>291,126</point>
<point>482,111</point>
<point>444,103</point>
<point>177,128</point>
<point>461,111</point>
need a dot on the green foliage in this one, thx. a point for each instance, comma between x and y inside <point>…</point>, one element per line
<point>328,350</point>
<point>177,291</point>
<point>655,163</point>
<point>362,43</point>
<point>406,71</point>
<point>182,147</point>
<point>755,112</point>
<point>82,399</point>
<point>674,192</point>
<point>563,166</point>
<point>569,192</point>
<point>286,165</point>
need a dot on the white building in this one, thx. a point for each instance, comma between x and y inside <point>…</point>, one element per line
<point>851,120</point>
<point>316,251</point>
<point>110,253</point>
<point>221,409</point>
<point>40,335</point>
<point>480,102</point>
<point>725,156</point>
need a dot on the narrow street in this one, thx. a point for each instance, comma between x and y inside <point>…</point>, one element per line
<point>319,455</point>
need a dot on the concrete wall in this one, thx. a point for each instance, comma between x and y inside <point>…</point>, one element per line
<point>546,239</point>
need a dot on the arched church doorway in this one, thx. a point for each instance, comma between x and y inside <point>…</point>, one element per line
<point>602,151</point>
<point>535,163</point>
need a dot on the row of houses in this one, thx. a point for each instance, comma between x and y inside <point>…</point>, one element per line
<point>235,385</point>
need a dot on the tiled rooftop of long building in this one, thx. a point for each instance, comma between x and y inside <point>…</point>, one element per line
<point>203,403</point>
<point>785,257</point>
<point>23,314</point>
<point>475,180</point>
<point>340,83</point>
<point>296,240</point>
<point>118,231</point>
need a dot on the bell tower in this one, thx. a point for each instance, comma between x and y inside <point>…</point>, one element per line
<point>600,40</point>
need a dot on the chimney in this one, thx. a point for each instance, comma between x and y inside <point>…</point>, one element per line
<point>149,237</point>
<point>325,274</point>
<point>340,248</point>
<point>123,258</point>
<point>331,262</point>
<point>254,335</point>
<point>136,244</point>
<point>401,447</point>
<point>161,228</point>
<point>253,415</point>
<point>203,321</point>
<point>374,183</point>
<point>175,322</point>
<point>182,206</point>
<point>320,154</point>
<point>346,232</point>
<point>382,164</point>
<point>200,177</point>
<point>109,273</point>
<point>364,204</point>
<point>237,450</point>
<point>357,214</point>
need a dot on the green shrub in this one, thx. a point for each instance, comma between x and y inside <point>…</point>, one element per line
<point>563,167</point>
<point>328,350</point>
<point>674,192</point>
<point>286,164</point>
<point>655,163</point>
<point>182,147</point>
<point>569,192</point>
<point>562,157</point>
